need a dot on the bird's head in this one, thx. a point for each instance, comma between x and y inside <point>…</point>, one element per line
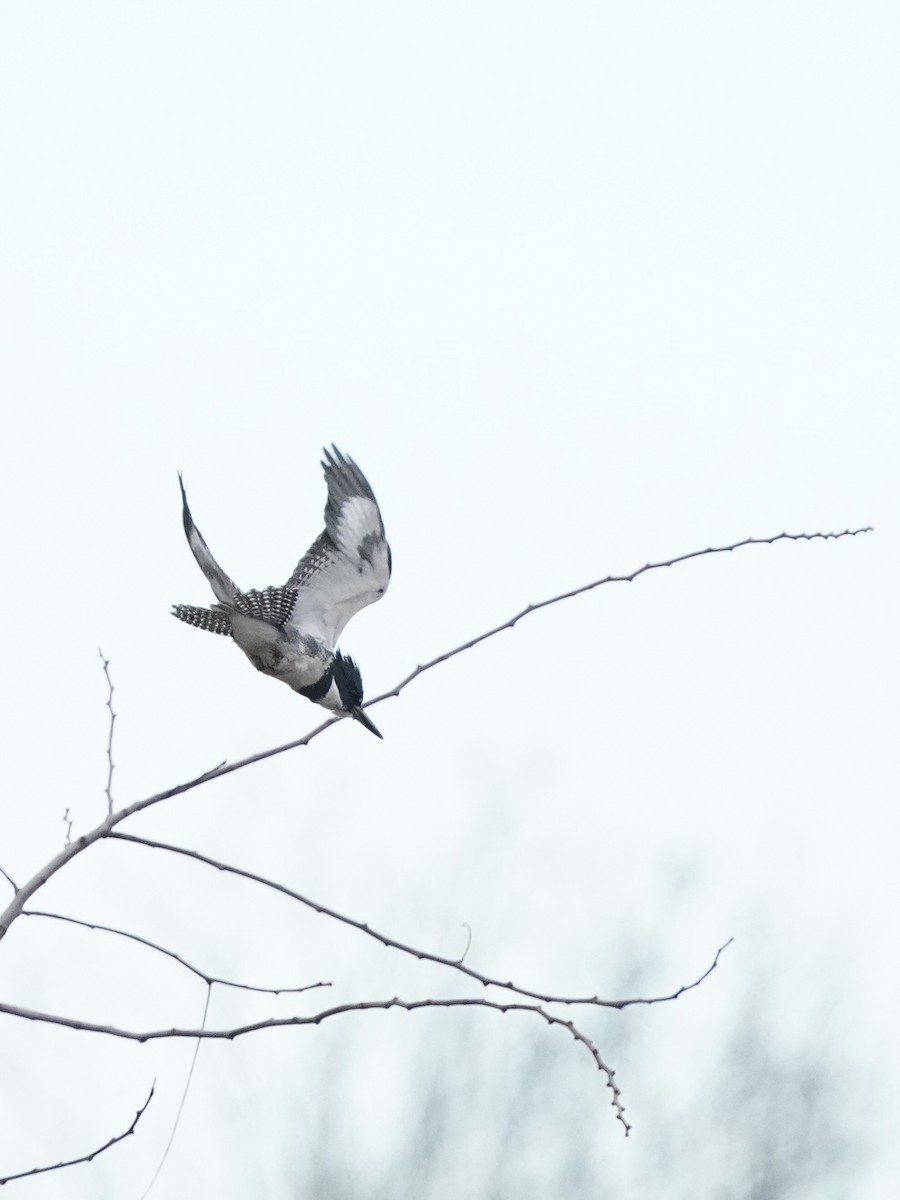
<point>347,683</point>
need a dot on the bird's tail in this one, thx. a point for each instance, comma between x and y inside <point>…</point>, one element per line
<point>214,620</point>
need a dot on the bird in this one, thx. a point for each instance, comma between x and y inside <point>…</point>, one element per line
<point>291,632</point>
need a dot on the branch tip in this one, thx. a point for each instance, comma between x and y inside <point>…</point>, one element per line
<point>86,1158</point>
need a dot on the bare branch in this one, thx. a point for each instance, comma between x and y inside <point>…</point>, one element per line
<point>106,830</point>
<point>112,723</point>
<point>456,964</point>
<point>340,1009</point>
<point>114,818</point>
<point>207,978</point>
<point>85,1158</point>
<point>69,823</point>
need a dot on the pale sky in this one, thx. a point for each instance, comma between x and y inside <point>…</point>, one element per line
<point>579,286</point>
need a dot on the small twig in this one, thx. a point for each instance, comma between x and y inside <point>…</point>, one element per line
<point>317,1018</point>
<point>85,1158</point>
<point>689,987</point>
<point>142,941</point>
<point>9,879</point>
<point>68,823</point>
<point>423,955</point>
<point>468,929</point>
<point>112,722</point>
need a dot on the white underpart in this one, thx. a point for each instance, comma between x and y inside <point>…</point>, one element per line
<point>332,699</point>
<point>295,661</point>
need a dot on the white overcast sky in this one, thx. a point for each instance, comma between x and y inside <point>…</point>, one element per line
<point>579,285</point>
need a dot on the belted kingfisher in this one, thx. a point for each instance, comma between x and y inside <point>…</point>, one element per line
<point>290,632</point>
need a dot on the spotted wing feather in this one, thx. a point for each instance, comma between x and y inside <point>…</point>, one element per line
<point>273,605</point>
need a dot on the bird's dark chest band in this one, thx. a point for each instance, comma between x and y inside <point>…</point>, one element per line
<point>317,690</point>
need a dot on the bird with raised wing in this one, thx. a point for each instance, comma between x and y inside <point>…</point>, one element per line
<point>291,632</point>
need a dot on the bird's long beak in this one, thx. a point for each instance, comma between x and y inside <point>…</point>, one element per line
<point>358,714</point>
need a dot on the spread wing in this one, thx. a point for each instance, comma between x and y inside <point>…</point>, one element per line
<point>270,608</point>
<point>349,564</point>
<point>223,586</point>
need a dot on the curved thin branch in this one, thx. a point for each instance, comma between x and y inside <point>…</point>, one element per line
<point>456,964</point>
<point>85,1158</point>
<point>28,889</point>
<point>338,1010</point>
<point>142,941</point>
<point>9,879</point>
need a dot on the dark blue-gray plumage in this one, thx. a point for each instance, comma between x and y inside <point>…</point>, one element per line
<point>290,632</point>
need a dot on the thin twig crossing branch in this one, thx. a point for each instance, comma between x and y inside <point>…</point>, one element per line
<point>181,1103</point>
